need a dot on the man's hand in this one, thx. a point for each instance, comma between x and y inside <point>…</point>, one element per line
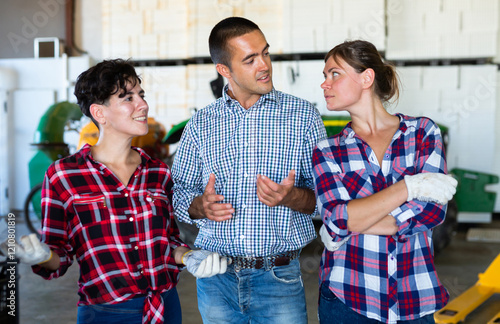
<point>204,264</point>
<point>31,251</point>
<point>207,205</point>
<point>435,187</point>
<point>273,194</point>
<point>328,241</point>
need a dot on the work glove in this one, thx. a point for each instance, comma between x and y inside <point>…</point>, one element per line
<point>328,241</point>
<point>204,264</point>
<point>433,187</point>
<point>31,251</point>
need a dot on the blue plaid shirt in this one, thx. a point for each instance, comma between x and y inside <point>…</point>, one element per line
<point>275,135</point>
<point>387,278</point>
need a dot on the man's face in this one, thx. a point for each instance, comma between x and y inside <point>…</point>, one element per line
<point>250,75</point>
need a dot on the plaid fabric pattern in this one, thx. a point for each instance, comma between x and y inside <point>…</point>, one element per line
<point>387,278</point>
<point>275,135</point>
<point>122,235</point>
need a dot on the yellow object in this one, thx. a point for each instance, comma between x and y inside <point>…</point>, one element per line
<point>487,285</point>
<point>495,319</point>
<point>89,134</point>
<point>151,142</point>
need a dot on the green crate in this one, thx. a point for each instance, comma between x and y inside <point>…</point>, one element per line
<point>471,195</point>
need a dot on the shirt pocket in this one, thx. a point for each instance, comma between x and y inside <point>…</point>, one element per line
<point>160,207</point>
<point>91,208</point>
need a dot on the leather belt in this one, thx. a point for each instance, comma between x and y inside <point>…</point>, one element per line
<point>276,260</point>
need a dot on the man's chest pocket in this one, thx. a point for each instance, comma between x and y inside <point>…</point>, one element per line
<point>91,208</point>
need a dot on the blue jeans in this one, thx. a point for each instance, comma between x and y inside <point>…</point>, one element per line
<point>333,310</point>
<point>269,295</point>
<point>130,311</point>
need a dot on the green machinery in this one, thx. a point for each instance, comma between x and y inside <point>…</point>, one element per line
<point>50,146</point>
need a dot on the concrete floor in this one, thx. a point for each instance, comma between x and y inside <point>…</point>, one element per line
<point>458,266</point>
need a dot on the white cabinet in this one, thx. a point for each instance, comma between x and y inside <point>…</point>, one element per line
<point>39,84</point>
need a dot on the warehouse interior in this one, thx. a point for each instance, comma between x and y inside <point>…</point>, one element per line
<point>446,52</point>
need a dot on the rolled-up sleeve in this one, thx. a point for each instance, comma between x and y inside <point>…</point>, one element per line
<point>54,226</point>
<point>419,216</point>
<point>331,195</point>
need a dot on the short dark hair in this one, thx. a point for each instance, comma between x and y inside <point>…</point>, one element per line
<point>224,31</point>
<point>362,55</point>
<point>100,82</point>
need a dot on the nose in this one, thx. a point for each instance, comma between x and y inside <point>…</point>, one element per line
<point>325,85</point>
<point>143,104</point>
<point>263,64</point>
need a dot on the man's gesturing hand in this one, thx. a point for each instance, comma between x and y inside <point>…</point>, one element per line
<point>212,209</point>
<point>273,194</point>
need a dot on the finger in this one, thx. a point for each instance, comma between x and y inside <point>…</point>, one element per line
<point>290,178</point>
<point>266,184</point>
<point>35,242</point>
<point>26,243</point>
<point>223,265</point>
<point>207,269</point>
<point>215,263</point>
<point>212,198</point>
<point>219,218</point>
<point>210,188</point>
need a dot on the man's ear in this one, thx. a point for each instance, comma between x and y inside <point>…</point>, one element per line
<point>96,111</point>
<point>223,70</point>
<point>368,78</point>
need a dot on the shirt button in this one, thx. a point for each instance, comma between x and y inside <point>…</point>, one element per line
<point>136,247</point>
<point>131,219</point>
<point>243,206</point>
<point>149,199</point>
<point>242,237</point>
<point>142,271</point>
<point>126,194</point>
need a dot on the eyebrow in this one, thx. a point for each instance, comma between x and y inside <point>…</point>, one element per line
<point>132,92</point>
<point>254,54</point>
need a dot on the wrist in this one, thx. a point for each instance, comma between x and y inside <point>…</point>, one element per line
<point>184,255</point>
<point>51,254</point>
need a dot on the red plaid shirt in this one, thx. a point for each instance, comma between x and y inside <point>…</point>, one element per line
<point>122,235</point>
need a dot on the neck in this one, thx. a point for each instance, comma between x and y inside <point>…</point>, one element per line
<point>246,100</point>
<point>108,150</point>
<point>369,115</point>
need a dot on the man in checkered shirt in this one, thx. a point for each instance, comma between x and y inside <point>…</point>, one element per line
<point>243,175</point>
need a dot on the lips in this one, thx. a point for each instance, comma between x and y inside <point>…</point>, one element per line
<point>264,78</point>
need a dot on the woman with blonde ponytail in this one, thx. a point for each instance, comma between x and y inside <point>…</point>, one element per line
<point>381,187</point>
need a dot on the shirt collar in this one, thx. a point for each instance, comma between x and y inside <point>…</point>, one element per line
<point>270,96</point>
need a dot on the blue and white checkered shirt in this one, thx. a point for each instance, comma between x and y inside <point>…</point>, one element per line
<point>277,134</point>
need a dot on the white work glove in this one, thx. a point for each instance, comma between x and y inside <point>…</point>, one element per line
<point>433,187</point>
<point>204,264</point>
<point>31,251</point>
<point>327,240</point>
